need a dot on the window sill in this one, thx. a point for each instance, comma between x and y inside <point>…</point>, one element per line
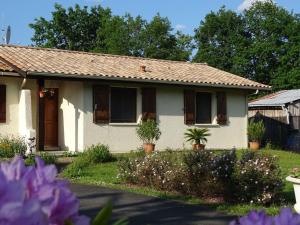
<point>207,125</point>
<point>123,124</point>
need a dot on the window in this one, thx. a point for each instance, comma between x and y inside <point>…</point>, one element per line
<point>123,105</point>
<point>203,107</point>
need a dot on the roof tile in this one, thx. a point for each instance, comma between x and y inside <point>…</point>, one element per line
<point>72,63</point>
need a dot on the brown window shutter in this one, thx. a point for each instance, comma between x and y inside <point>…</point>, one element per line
<point>189,107</point>
<point>2,104</point>
<point>148,103</point>
<point>221,108</point>
<point>101,104</point>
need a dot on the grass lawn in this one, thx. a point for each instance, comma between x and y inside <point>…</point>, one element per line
<point>106,174</point>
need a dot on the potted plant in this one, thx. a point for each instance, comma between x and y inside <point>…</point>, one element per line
<point>294,178</point>
<point>148,131</point>
<point>198,137</point>
<point>256,131</point>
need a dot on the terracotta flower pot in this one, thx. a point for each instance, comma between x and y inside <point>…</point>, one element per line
<point>198,147</point>
<point>254,145</point>
<point>149,148</point>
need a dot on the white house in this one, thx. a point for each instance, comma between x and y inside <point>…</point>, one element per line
<point>69,100</point>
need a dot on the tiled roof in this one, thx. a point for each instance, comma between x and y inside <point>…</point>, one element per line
<point>277,99</point>
<point>44,61</point>
<point>4,67</point>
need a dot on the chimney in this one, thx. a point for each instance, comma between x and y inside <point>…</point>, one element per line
<point>143,68</point>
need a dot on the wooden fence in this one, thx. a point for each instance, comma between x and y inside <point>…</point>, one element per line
<point>277,131</point>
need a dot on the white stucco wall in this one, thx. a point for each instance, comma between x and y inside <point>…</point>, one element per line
<point>170,116</point>
<point>77,130</point>
<point>13,88</point>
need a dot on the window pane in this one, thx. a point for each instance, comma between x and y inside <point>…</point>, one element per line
<point>203,107</point>
<point>123,105</point>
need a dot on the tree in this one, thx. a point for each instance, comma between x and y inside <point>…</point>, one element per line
<point>220,40</point>
<point>73,29</point>
<point>96,30</point>
<point>269,28</point>
<point>159,42</point>
<point>121,36</point>
<point>260,43</point>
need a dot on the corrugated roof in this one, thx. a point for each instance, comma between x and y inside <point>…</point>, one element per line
<point>277,99</point>
<point>41,61</point>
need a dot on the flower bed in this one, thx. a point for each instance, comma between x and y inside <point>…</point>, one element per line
<point>255,178</point>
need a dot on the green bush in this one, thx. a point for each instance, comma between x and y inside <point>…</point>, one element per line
<point>148,131</point>
<point>256,131</point>
<point>11,146</point>
<point>76,168</point>
<point>91,155</point>
<point>98,154</point>
<point>46,157</point>
<point>257,179</point>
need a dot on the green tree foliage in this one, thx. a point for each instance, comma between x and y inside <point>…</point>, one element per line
<point>261,43</point>
<point>74,29</point>
<point>220,41</point>
<point>97,30</point>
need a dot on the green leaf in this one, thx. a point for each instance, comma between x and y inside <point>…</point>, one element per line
<point>104,215</point>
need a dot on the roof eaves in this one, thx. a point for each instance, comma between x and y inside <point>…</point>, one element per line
<point>118,78</point>
<point>14,67</point>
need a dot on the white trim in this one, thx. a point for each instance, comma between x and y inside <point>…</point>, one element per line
<point>123,124</point>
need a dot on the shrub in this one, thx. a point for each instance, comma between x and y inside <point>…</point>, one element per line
<point>148,131</point>
<point>11,146</point>
<point>256,131</point>
<point>98,154</point>
<point>254,178</point>
<point>209,173</point>
<point>76,168</point>
<point>257,179</point>
<point>92,155</point>
<point>46,157</point>
<point>153,170</point>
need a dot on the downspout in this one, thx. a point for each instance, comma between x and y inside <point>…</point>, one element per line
<point>23,83</point>
<point>285,109</point>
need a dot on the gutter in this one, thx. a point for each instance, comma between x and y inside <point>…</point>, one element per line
<point>12,74</point>
<point>103,77</point>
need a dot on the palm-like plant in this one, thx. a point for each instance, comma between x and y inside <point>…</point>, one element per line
<point>197,135</point>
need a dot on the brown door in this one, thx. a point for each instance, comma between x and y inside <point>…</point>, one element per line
<point>51,118</point>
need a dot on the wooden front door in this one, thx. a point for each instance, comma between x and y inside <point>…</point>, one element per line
<point>51,118</point>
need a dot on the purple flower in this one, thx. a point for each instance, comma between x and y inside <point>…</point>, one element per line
<point>285,217</point>
<point>34,196</point>
<point>254,218</point>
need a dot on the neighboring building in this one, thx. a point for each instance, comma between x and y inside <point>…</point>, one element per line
<point>283,106</point>
<point>69,100</point>
<point>281,110</point>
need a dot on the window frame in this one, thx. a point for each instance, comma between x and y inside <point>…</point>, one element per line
<point>211,108</point>
<point>135,120</point>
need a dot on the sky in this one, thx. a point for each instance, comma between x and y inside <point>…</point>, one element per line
<point>185,15</point>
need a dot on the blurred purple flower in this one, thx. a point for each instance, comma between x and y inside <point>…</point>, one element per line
<point>285,217</point>
<point>34,196</point>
